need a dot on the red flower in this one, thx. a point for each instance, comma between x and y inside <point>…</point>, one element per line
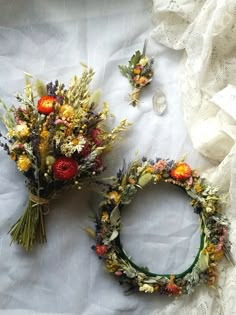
<point>172,288</point>
<point>98,163</point>
<point>65,168</point>
<point>181,171</point>
<point>95,136</point>
<point>101,249</point>
<point>45,104</point>
<point>85,151</point>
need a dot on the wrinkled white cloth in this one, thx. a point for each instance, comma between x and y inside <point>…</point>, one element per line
<point>206,30</point>
<point>49,39</point>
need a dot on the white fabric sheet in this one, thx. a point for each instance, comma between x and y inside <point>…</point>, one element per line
<point>49,39</point>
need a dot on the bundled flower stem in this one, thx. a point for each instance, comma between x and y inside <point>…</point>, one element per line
<point>57,139</point>
<point>139,73</point>
<point>29,229</point>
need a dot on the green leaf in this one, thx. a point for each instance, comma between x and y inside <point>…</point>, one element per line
<point>128,194</point>
<point>125,71</point>
<point>114,235</point>
<point>115,216</point>
<point>144,179</point>
<point>135,58</point>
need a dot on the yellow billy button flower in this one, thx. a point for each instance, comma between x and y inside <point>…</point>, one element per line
<point>23,163</point>
<point>114,195</point>
<point>22,130</point>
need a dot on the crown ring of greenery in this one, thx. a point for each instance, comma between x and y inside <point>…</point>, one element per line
<point>214,243</point>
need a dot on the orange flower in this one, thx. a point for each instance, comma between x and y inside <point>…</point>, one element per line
<point>142,80</point>
<point>181,171</point>
<point>45,104</point>
<point>137,70</point>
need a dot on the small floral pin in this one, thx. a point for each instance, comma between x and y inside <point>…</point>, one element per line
<point>139,73</point>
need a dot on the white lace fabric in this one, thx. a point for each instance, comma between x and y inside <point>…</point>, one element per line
<point>206,30</point>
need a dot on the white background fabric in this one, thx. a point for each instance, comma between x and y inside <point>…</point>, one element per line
<point>49,39</point>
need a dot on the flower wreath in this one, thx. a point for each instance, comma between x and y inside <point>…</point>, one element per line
<point>214,242</point>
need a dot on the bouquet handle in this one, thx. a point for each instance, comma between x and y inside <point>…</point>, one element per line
<point>30,228</point>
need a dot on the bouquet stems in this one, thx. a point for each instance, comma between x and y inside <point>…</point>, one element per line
<point>135,96</point>
<point>30,229</point>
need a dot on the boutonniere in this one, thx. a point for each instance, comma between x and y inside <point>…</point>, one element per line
<point>139,72</point>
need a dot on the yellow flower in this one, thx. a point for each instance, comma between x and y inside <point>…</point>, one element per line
<point>218,255</point>
<point>113,195</point>
<point>44,134</point>
<point>147,288</point>
<point>11,133</point>
<point>198,188</point>
<point>143,61</point>
<point>66,112</point>
<point>105,216</point>
<point>157,177</point>
<point>13,156</point>
<point>22,130</point>
<point>149,169</point>
<point>111,266</point>
<point>23,163</point>
<point>75,141</point>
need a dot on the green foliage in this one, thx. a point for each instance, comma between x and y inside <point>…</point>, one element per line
<point>125,71</point>
<point>135,58</point>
